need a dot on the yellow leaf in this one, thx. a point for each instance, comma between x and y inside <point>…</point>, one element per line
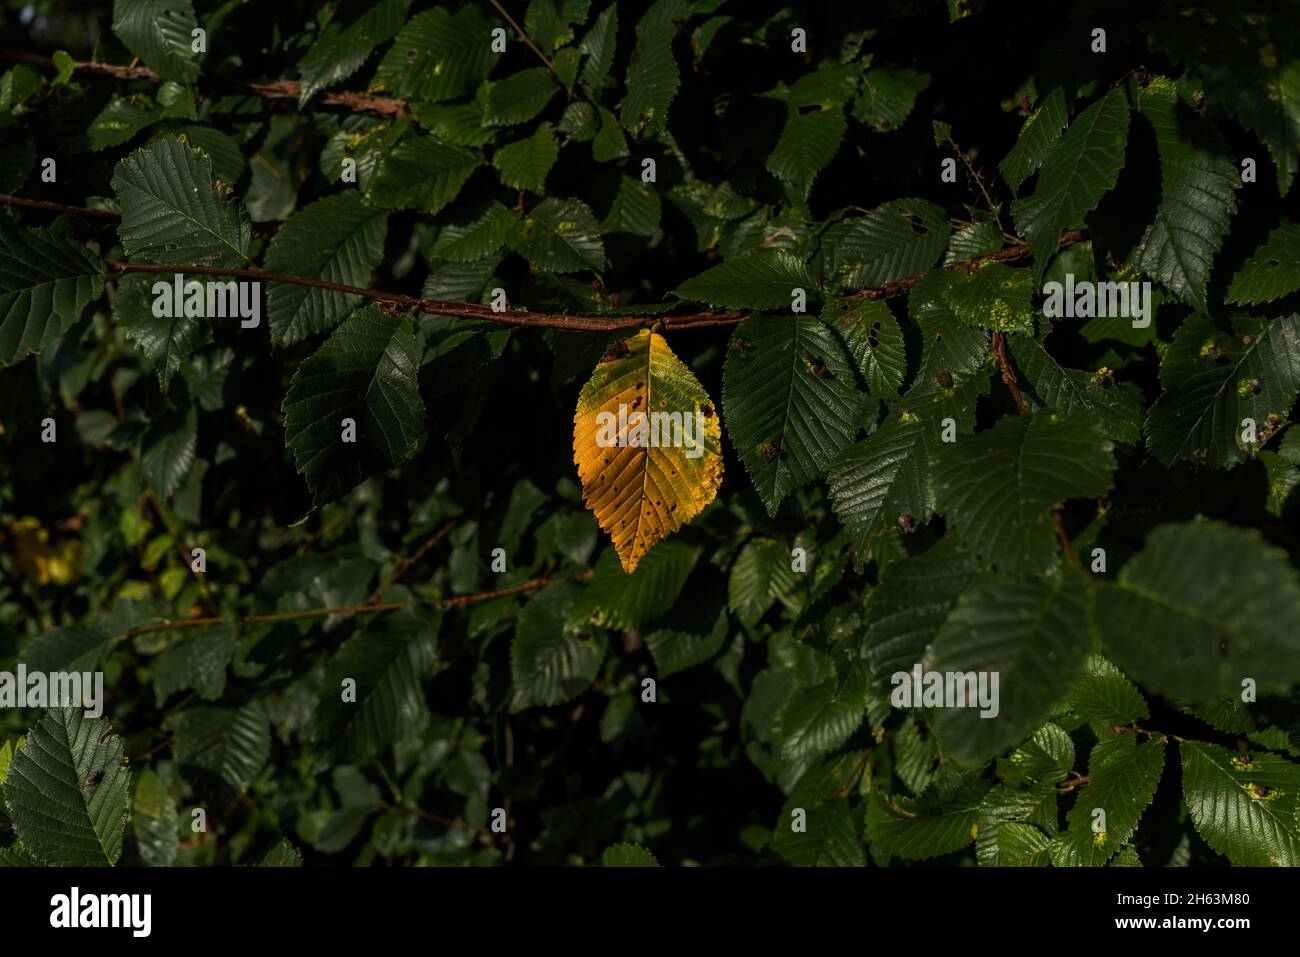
<point>645,476</point>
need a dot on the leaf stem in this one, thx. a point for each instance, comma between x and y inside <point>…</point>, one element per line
<point>523,36</point>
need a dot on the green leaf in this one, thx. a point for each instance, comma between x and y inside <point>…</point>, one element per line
<point>438,55</point>
<point>1245,805</point>
<point>421,173</point>
<point>1119,406</point>
<point>1202,607</point>
<point>1197,184</point>
<point>282,854</point>
<point>561,235</point>
<point>1104,697</point>
<point>45,283</point>
<point>168,450</point>
<point>1122,779</point>
<point>1272,272</point>
<point>1215,375</point>
<point>820,718</point>
<point>888,96</point>
<point>627,855</point>
<point>72,648</point>
<point>338,52</point>
<point>154,820</point>
<point>480,238</point>
<point>675,651</point>
<point>234,743</point>
<point>615,599</point>
<point>524,165</point>
<point>757,281</point>
<point>938,822</point>
<point>158,32</point>
<point>652,74</point>
<point>830,836</point>
<point>636,209</point>
<point>899,238</point>
<point>808,143</point>
<point>165,341</point>
<point>1022,845</point>
<point>789,401</point>
<point>950,349</point>
<point>196,661</point>
<point>1036,140</point>
<point>172,212</point>
<point>1032,635</point>
<point>598,46</point>
<point>609,143</point>
<point>66,791</point>
<point>992,296</point>
<point>551,661</point>
<point>120,121</point>
<point>872,336</point>
<point>1082,168</point>
<point>335,239</point>
<point>909,605</point>
<point>519,97</point>
<point>386,661</point>
<point>997,487</point>
<point>761,574</point>
<point>367,371</point>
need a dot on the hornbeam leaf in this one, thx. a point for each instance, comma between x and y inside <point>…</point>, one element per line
<point>421,173</point>
<point>652,74</point>
<point>997,487</point>
<point>938,822</point>
<point>153,820</point>
<point>158,32</point>
<point>1082,168</point>
<point>1272,272</point>
<point>1215,376</point>
<point>434,58</point>
<point>551,660</point>
<point>790,401</point>
<point>899,238</point>
<point>366,372</point>
<point>1196,197</point>
<point>338,52</point>
<point>871,334</point>
<point>627,855</point>
<point>807,144</point>
<point>387,661</point>
<point>1203,606</point>
<point>233,743</point>
<point>561,235</point>
<point>616,599</point>
<point>1245,805</point>
<point>1033,635</point>
<point>764,280</point>
<point>519,97</point>
<point>1122,779</point>
<point>647,443</point>
<point>45,283</point>
<point>1048,385</point>
<point>1038,136</point>
<point>67,791</point>
<point>524,165</point>
<point>335,239</point>
<point>172,212</point>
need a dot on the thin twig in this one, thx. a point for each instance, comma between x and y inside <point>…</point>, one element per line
<point>267,89</point>
<point>1064,539</point>
<point>436,818</point>
<point>854,774</point>
<point>263,229</point>
<point>523,36</point>
<point>406,563</point>
<point>999,350</point>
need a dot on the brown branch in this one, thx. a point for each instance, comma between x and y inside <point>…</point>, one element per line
<point>1063,538</point>
<point>999,350</point>
<point>367,608</point>
<point>406,563</point>
<point>523,36</point>
<point>266,228</point>
<point>384,106</point>
<point>436,818</point>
